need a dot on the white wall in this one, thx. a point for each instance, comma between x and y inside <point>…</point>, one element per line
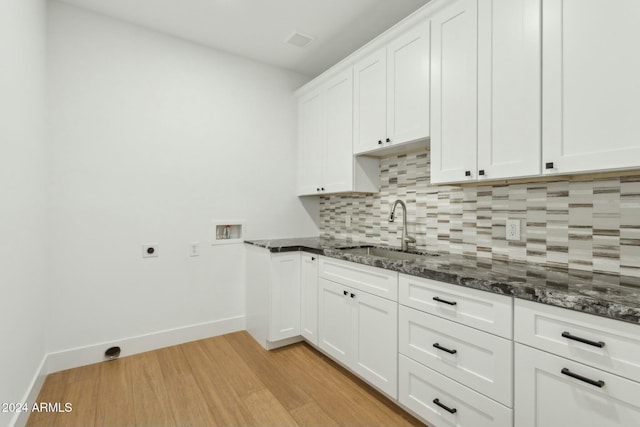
<point>22,197</point>
<point>152,138</point>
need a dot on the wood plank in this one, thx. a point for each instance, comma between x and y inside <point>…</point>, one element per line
<point>259,360</point>
<point>334,395</point>
<point>52,391</point>
<point>82,395</point>
<point>350,397</point>
<point>187,402</point>
<point>114,401</point>
<point>311,415</point>
<point>267,410</point>
<point>173,362</point>
<point>222,400</point>
<point>150,396</point>
<point>241,379</point>
<point>83,373</point>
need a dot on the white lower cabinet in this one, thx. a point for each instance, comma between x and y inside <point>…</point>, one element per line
<point>273,296</point>
<point>445,353</point>
<point>574,369</point>
<point>309,297</point>
<point>334,315</point>
<point>285,296</point>
<point>375,341</point>
<point>552,391</point>
<point>360,330</point>
<point>444,402</point>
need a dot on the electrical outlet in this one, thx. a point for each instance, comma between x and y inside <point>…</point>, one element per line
<point>194,249</point>
<point>347,221</point>
<point>513,229</point>
<point>150,250</point>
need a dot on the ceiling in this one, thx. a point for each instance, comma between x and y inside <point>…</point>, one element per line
<point>257,29</point>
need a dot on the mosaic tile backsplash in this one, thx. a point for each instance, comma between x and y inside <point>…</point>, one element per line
<point>587,224</point>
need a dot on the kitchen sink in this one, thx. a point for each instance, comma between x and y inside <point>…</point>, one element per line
<point>388,253</point>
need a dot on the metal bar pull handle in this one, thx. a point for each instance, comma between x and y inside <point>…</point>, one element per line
<point>444,301</point>
<point>599,344</point>
<point>439,347</point>
<point>446,408</point>
<point>598,384</point>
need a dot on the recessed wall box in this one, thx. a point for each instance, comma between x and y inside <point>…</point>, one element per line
<point>228,232</point>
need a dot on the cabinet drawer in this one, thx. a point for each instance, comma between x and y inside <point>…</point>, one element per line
<point>481,310</point>
<point>376,281</point>
<point>543,326</point>
<point>481,361</point>
<point>421,386</point>
<point>547,397</point>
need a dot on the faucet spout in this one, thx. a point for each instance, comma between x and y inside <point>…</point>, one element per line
<point>405,238</point>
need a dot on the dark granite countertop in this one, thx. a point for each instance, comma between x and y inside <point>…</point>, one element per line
<point>608,295</point>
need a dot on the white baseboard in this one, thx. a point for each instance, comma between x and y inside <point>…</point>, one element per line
<point>20,418</point>
<point>81,356</point>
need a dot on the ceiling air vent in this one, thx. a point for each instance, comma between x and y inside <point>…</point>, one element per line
<point>298,39</point>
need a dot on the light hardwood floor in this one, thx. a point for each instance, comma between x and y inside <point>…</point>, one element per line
<point>223,381</point>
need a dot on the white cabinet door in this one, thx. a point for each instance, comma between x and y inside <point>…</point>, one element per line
<point>375,339</point>
<point>509,128</point>
<point>310,143</point>
<point>454,81</point>
<point>370,102</point>
<point>549,392</point>
<point>590,94</point>
<point>408,85</point>
<point>338,155</point>
<point>334,317</point>
<point>285,296</point>
<point>309,297</point>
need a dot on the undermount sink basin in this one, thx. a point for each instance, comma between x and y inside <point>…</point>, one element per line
<point>388,253</point>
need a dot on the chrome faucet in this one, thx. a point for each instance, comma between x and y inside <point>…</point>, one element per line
<point>405,238</point>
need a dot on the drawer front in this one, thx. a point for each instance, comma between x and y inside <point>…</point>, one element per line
<point>376,281</point>
<point>547,397</point>
<point>421,386</point>
<point>614,346</point>
<point>488,312</point>
<point>481,361</point>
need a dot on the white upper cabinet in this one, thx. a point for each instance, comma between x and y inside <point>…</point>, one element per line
<point>485,90</point>
<point>310,142</point>
<point>391,92</point>
<point>370,102</point>
<point>590,95</point>
<point>325,142</point>
<point>509,128</point>
<point>454,87</point>
<point>408,85</point>
<point>338,154</point>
